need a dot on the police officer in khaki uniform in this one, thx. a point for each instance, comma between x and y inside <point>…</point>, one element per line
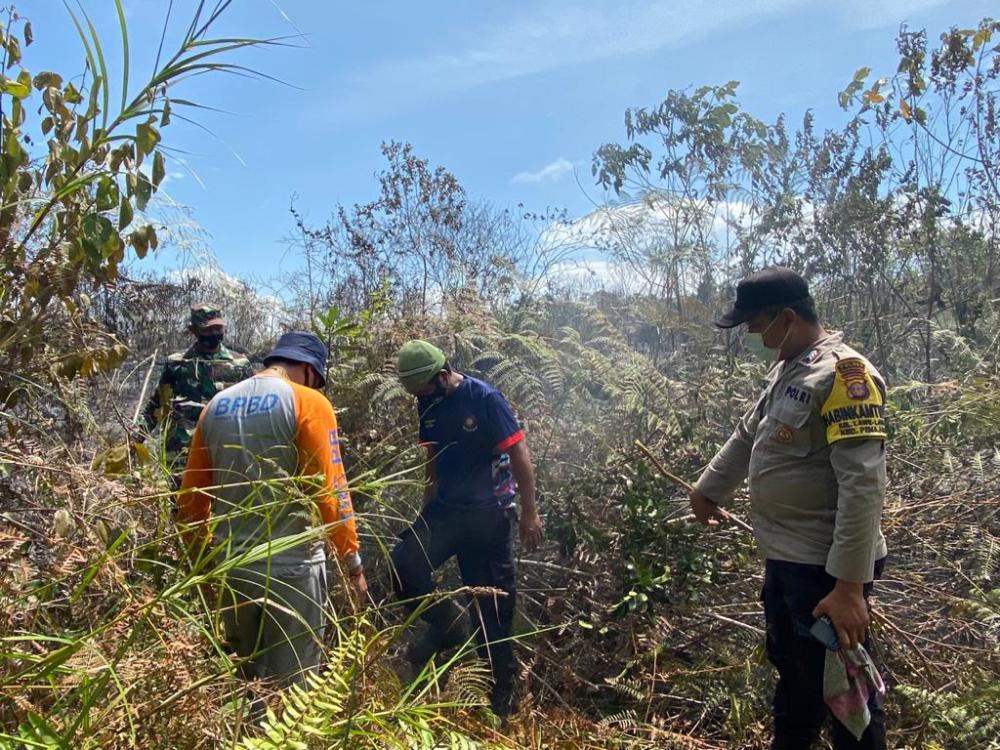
<point>812,447</point>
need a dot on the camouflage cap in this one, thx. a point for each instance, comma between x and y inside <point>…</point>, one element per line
<point>205,314</point>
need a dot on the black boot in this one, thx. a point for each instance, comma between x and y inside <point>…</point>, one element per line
<point>445,631</point>
<point>503,699</point>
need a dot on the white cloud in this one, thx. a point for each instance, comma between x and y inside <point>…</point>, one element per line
<point>593,275</point>
<point>558,33</point>
<point>865,14</point>
<point>619,247</point>
<point>227,289</point>
<point>650,221</point>
<point>171,177</point>
<point>550,34</point>
<point>551,172</point>
<point>147,169</point>
<point>208,274</point>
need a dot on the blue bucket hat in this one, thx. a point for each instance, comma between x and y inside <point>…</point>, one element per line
<point>302,346</point>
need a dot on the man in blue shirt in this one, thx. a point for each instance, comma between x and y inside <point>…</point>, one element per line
<point>477,461</point>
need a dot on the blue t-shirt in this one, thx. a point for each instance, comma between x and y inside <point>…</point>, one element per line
<point>468,432</point>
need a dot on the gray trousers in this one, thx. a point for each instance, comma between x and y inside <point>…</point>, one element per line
<point>274,619</point>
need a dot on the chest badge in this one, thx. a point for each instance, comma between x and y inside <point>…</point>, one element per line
<point>470,424</point>
<point>783,434</point>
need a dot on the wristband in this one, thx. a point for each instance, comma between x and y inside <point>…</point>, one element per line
<point>352,560</point>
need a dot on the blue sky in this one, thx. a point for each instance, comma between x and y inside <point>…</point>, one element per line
<point>512,97</point>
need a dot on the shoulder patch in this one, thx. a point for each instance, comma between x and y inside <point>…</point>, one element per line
<point>855,376</point>
<point>855,407</point>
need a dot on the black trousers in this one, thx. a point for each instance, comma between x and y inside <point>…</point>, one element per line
<point>482,539</point>
<point>791,591</point>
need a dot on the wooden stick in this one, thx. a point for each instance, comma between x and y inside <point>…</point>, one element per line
<point>688,486</point>
<point>731,621</point>
<point>145,385</point>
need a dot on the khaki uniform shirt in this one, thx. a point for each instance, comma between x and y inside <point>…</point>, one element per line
<point>813,448</point>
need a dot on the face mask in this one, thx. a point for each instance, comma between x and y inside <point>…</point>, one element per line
<point>210,340</point>
<point>754,342</point>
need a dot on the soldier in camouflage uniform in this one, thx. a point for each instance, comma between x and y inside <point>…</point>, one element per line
<point>190,379</point>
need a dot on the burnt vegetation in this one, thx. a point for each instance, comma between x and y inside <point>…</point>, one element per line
<point>637,629</point>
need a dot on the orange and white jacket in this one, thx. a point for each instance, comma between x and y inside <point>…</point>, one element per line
<point>264,459</point>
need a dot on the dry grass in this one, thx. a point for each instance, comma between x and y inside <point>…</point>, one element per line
<point>88,579</point>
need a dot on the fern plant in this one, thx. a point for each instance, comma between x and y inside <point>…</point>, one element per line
<point>961,719</point>
<point>353,703</point>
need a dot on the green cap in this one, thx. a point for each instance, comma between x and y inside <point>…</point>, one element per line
<point>419,361</point>
<point>204,315</point>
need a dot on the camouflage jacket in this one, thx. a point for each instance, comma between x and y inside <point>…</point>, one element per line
<point>188,382</point>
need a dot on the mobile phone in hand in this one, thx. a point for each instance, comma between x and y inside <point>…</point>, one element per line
<point>822,630</point>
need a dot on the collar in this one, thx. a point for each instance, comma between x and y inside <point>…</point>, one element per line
<point>462,378</point>
<point>273,372</point>
<point>820,347</point>
<point>812,355</point>
<point>425,403</point>
<point>194,353</point>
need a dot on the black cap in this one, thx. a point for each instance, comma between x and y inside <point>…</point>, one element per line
<point>766,288</point>
<point>301,346</point>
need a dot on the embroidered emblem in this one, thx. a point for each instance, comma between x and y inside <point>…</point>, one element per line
<point>855,407</point>
<point>855,378</point>
<point>783,434</point>
<point>470,424</point>
<point>810,357</point>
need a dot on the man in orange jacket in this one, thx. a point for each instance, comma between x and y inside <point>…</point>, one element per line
<point>264,459</point>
